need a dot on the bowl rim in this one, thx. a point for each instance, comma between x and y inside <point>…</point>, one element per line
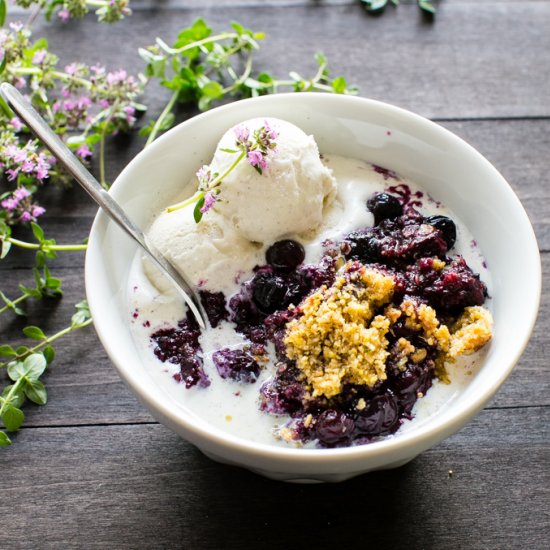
<point>423,435</point>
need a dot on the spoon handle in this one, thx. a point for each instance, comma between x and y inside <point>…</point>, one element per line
<point>52,141</point>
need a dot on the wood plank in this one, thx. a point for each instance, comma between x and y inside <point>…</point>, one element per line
<point>142,487</point>
<point>443,74</point>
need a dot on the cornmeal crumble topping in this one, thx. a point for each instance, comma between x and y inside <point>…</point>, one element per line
<point>472,331</point>
<point>339,338</point>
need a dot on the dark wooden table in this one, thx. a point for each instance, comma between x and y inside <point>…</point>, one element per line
<point>92,469</point>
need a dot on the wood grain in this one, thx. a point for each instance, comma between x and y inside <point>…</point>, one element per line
<point>443,74</point>
<point>93,470</point>
<point>144,488</point>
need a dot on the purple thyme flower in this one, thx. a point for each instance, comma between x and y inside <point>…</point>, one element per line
<point>20,156</point>
<point>209,200</point>
<point>204,176</point>
<point>64,15</point>
<point>39,56</point>
<point>130,112</point>
<point>21,193</point>
<point>84,151</point>
<point>37,211</point>
<point>257,159</point>
<point>28,166</point>
<point>269,132</point>
<point>242,133</point>
<point>84,102</point>
<point>12,173</point>
<point>16,123</point>
<point>19,82</point>
<point>9,204</point>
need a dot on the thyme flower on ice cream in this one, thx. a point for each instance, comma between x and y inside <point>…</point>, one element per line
<point>255,150</point>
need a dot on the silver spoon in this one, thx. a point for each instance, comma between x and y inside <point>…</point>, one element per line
<point>51,140</point>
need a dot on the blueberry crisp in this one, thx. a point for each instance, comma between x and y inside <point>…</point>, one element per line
<point>352,341</point>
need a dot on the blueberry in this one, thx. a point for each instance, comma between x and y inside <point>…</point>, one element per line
<point>285,255</point>
<point>214,305</point>
<point>380,417</point>
<point>384,206</point>
<point>270,292</point>
<point>364,247</point>
<point>236,364</point>
<point>333,427</point>
<point>446,226</point>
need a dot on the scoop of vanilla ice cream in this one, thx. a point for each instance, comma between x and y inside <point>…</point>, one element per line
<point>288,197</point>
<point>206,252</point>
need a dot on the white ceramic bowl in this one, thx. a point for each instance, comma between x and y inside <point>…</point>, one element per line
<point>448,168</point>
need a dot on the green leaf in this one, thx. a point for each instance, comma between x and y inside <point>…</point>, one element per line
<point>38,232</point>
<point>5,107</point>
<point>92,139</point>
<point>82,313</point>
<point>212,90</point>
<point>49,354</point>
<point>40,44</point>
<point>12,417</point>
<point>197,214</point>
<point>40,261</point>
<point>5,441</point>
<point>374,5</point>
<point>339,85</point>
<point>237,27</point>
<point>295,76</point>
<point>156,64</point>
<point>17,399</point>
<point>16,370</point>
<point>35,365</point>
<point>34,332</point>
<point>427,6</point>
<point>36,392</point>
<point>32,368</point>
<point>197,31</point>
<point>3,12</point>
<point>6,246</point>
<point>204,103</point>
<point>321,58</point>
<point>7,351</point>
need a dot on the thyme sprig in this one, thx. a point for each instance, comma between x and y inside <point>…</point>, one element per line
<point>201,68</point>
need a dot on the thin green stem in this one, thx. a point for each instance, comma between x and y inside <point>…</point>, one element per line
<point>161,118</point>
<point>46,248</point>
<point>196,44</point>
<point>56,74</point>
<point>57,335</point>
<point>242,78</point>
<point>315,86</point>
<point>97,3</point>
<point>219,179</point>
<point>13,303</point>
<point>199,194</point>
<point>47,341</point>
<point>11,393</point>
<point>102,178</point>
